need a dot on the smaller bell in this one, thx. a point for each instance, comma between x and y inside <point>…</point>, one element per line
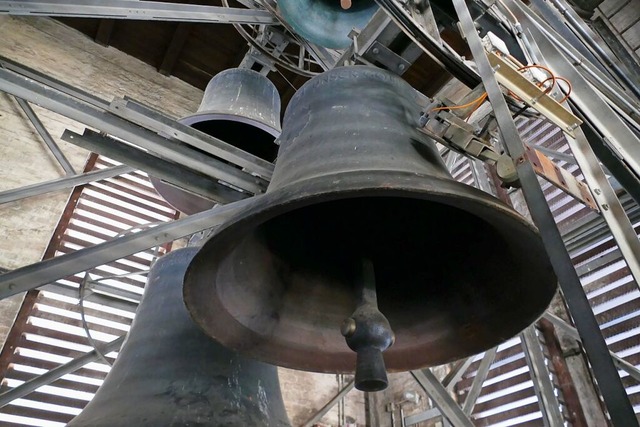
<point>240,107</point>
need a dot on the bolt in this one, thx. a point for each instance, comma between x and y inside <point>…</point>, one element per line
<point>375,51</point>
<point>605,207</point>
<point>348,327</point>
<point>597,191</point>
<point>401,67</point>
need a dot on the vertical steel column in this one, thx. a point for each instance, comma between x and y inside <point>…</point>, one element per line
<point>541,380</point>
<point>606,374</point>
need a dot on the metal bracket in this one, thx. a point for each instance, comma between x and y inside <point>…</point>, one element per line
<point>561,178</point>
<point>509,77</point>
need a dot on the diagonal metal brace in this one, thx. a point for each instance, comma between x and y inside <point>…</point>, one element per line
<point>44,272</point>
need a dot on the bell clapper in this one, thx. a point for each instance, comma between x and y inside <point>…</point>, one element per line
<point>345,4</point>
<point>368,333</point>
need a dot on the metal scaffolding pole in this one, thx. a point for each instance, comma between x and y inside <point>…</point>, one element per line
<point>441,398</point>
<point>62,183</point>
<point>172,173</point>
<point>138,10</point>
<point>481,376</point>
<point>90,115</point>
<point>44,272</point>
<point>611,387</point>
<point>46,136</point>
<point>330,404</point>
<point>541,379</point>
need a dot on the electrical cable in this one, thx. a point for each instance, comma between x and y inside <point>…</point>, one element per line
<point>457,107</point>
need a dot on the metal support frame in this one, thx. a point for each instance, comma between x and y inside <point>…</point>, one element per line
<point>441,398</point>
<point>611,387</point>
<point>330,404</point>
<point>456,373</point>
<point>478,379</point>
<point>603,193</point>
<point>62,183</point>
<point>541,379</point>
<point>372,43</point>
<point>172,173</point>
<point>44,272</point>
<point>151,119</point>
<point>573,333</point>
<point>112,124</point>
<point>579,27</point>
<point>609,89</point>
<point>139,10</point>
<point>46,137</point>
<point>56,373</point>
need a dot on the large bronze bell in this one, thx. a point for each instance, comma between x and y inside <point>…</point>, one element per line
<point>361,206</point>
<point>240,107</point>
<point>327,22</point>
<point>169,373</point>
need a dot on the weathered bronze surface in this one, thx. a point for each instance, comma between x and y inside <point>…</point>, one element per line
<point>169,373</point>
<point>242,108</point>
<point>457,271</point>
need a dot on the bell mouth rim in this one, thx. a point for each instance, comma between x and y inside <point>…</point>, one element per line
<point>205,116</point>
<point>270,205</point>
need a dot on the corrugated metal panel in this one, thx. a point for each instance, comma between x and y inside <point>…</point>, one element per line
<point>508,397</point>
<point>51,331</point>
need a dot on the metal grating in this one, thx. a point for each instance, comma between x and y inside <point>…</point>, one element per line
<point>49,330</point>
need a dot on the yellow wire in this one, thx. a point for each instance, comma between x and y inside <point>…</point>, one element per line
<point>457,107</point>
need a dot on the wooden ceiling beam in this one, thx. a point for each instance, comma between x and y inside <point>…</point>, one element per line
<point>105,30</point>
<point>171,55</point>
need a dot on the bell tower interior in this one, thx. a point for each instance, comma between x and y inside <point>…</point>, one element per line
<point>333,213</point>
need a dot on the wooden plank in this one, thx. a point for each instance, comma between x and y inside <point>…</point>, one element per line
<point>626,17</point>
<point>174,49</point>
<point>610,7</point>
<point>105,30</point>
<point>632,36</point>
